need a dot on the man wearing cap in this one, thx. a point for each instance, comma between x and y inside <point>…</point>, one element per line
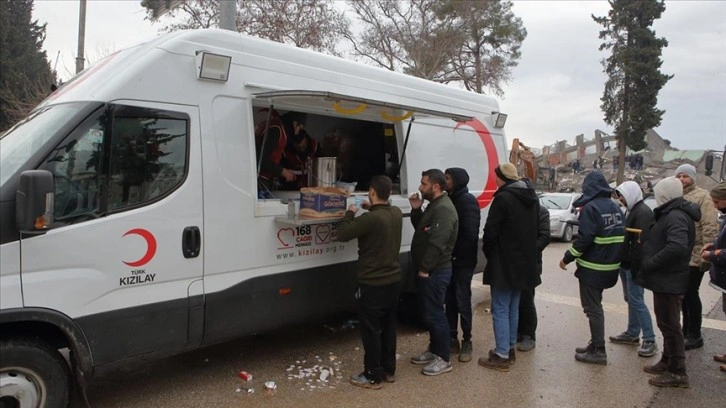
<point>715,253</point>
<point>666,253</point>
<point>510,247</point>
<point>597,252</point>
<point>706,230</point>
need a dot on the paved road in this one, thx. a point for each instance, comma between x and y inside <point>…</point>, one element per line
<point>548,376</point>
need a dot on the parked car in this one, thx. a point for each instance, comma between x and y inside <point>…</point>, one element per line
<point>563,215</point>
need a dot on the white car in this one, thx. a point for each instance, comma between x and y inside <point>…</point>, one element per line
<point>563,215</point>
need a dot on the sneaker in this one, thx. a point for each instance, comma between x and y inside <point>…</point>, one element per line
<point>512,357</point>
<point>362,381</point>
<point>454,347</point>
<point>669,380</point>
<point>389,378</point>
<point>694,342</point>
<point>466,350</point>
<point>424,358</point>
<point>648,348</point>
<point>495,362</point>
<point>526,344</point>
<point>625,338</point>
<point>593,355</point>
<point>657,368</point>
<point>438,366</point>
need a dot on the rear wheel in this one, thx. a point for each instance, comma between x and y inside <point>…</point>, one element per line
<point>567,234</point>
<point>32,375</point>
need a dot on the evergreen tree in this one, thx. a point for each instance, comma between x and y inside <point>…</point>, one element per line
<point>633,69</point>
<point>25,75</point>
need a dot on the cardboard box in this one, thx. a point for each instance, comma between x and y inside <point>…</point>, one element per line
<point>322,202</point>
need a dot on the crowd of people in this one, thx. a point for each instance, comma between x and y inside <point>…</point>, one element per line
<point>666,250</point>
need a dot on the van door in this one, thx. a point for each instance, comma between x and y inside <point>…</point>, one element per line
<point>125,250</point>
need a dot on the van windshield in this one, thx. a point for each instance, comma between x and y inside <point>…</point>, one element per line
<point>27,137</point>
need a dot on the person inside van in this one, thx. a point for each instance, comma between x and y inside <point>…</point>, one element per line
<point>301,147</point>
<point>274,135</point>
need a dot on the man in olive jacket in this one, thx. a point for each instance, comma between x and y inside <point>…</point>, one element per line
<point>433,242</point>
<point>706,230</point>
<point>510,246</point>
<point>379,280</point>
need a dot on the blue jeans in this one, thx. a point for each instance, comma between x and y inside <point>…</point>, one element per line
<point>432,296</point>
<point>638,314</point>
<point>505,316</point>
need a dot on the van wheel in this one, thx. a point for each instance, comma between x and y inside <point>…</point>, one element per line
<point>33,375</point>
<point>567,234</point>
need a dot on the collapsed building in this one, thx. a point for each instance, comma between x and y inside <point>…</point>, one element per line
<point>563,166</point>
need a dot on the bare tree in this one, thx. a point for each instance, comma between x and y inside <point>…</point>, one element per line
<point>407,36</point>
<point>18,103</point>
<point>494,36</point>
<point>314,24</point>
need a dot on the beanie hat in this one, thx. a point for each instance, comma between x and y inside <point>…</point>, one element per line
<point>507,172</point>
<point>719,192</point>
<point>667,189</point>
<point>688,170</point>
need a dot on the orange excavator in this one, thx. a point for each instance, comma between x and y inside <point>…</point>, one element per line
<point>524,160</point>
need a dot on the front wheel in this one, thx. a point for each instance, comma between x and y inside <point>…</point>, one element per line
<point>32,375</point>
<point>567,234</point>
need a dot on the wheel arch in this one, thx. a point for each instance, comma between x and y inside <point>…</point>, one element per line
<point>53,327</point>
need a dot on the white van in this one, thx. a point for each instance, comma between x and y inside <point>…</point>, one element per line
<point>130,223</point>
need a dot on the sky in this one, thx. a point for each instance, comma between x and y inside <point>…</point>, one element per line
<point>556,88</point>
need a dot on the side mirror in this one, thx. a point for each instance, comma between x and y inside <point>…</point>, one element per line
<point>34,201</point>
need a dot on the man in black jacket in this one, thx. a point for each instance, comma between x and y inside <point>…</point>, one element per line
<point>510,246</point>
<point>666,253</point>
<point>526,339</point>
<point>463,261</point>
<point>637,223</point>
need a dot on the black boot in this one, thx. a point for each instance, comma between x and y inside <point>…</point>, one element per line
<point>592,355</point>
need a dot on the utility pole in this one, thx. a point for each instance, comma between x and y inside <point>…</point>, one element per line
<point>228,15</point>
<point>80,59</point>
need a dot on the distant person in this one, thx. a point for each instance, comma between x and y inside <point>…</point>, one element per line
<point>715,253</point>
<point>463,261</point>
<point>274,135</point>
<point>527,327</point>
<point>706,230</point>
<point>379,280</point>
<point>510,247</point>
<point>666,253</point>
<point>616,161</point>
<point>432,244</point>
<point>597,252</point>
<point>639,218</point>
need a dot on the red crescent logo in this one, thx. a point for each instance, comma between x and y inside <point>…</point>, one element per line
<point>490,187</point>
<point>150,246</point>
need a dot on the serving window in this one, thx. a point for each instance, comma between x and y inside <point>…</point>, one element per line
<point>365,138</point>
